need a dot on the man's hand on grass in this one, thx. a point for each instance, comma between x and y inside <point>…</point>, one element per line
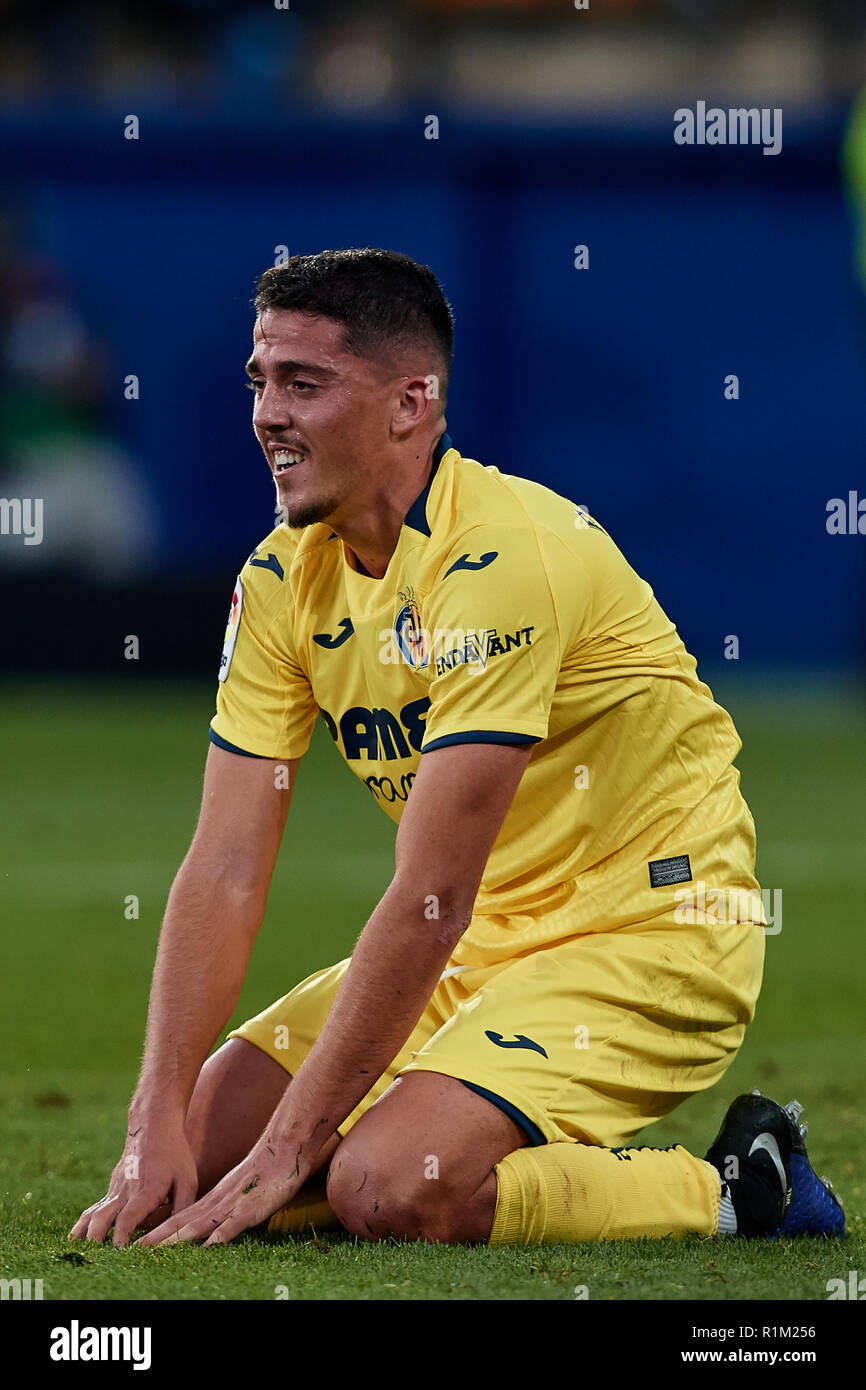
<point>150,1175</point>
<point>266,1180</point>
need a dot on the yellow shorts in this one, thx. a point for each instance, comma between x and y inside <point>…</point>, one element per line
<point>589,1039</point>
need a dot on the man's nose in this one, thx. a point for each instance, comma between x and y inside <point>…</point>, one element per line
<point>271,409</point>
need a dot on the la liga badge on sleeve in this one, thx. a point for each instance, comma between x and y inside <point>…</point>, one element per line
<point>232,626</point>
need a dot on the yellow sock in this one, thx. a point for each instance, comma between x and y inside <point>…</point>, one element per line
<point>308,1211</point>
<point>572,1192</point>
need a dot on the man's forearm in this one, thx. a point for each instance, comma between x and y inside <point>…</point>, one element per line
<point>204,948</point>
<point>394,970</point>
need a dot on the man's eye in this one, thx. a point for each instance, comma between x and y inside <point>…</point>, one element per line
<point>254,385</point>
<point>305,385</point>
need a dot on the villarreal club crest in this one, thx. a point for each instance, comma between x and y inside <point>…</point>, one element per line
<point>411,637</point>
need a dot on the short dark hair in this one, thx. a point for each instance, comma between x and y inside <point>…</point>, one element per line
<point>382,298</point>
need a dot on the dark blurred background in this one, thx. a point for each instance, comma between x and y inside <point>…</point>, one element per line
<point>127,266</point>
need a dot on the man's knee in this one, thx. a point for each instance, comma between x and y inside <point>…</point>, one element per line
<point>237,1090</point>
<point>419,1163</point>
<point>374,1194</point>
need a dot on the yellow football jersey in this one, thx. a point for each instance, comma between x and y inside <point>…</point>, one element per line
<point>506,615</point>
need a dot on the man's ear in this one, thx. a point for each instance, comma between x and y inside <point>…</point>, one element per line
<point>417,403</point>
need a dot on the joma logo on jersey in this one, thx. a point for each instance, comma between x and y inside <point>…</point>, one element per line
<point>378,735</point>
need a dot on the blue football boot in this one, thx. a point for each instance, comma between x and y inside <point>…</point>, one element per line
<point>813,1210</point>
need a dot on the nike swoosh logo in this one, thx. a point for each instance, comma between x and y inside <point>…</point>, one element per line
<point>272,563</point>
<point>325,639</point>
<point>768,1144</point>
<point>464,563</point>
<point>520,1040</point>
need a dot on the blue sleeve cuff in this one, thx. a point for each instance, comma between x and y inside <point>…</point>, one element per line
<point>480,736</point>
<point>232,748</point>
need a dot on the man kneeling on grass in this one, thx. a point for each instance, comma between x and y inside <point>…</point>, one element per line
<point>525,998</point>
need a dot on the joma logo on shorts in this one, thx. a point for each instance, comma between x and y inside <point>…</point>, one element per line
<point>377,734</point>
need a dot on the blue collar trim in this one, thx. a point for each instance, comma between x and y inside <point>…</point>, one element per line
<point>416,517</point>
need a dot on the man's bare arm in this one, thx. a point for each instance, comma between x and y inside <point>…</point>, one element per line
<point>213,915</point>
<point>458,802</point>
<point>214,912</point>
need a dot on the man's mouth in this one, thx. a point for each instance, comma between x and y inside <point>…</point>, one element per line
<point>283,459</point>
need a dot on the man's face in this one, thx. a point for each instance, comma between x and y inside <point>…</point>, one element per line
<point>320,415</point>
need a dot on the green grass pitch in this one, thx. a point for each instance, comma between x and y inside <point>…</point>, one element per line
<point>101,791</point>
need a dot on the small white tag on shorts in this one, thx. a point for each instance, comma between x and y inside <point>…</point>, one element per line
<point>232,626</point>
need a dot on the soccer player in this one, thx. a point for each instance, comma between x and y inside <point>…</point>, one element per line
<point>572,942</point>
